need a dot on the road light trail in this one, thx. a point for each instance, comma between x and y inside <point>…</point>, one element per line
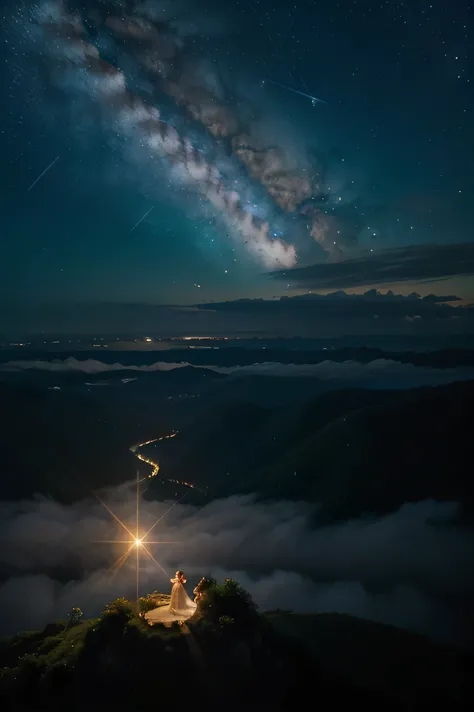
<point>155,465</point>
<point>42,174</point>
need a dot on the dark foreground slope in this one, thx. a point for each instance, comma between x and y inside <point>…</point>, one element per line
<point>401,665</point>
<point>352,451</point>
<point>273,662</point>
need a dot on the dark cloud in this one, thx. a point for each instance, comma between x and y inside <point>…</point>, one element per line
<point>341,301</point>
<point>341,312</point>
<point>407,568</point>
<point>435,299</point>
<point>309,315</point>
<point>405,264</point>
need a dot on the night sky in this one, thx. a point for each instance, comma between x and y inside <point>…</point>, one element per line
<point>239,175</point>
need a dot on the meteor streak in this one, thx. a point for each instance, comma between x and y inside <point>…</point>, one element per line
<point>42,174</point>
<point>141,220</point>
<point>314,100</point>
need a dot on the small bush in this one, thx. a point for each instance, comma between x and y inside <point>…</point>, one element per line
<point>121,608</point>
<point>146,603</point>
<point>230,602</point>
<point>117,614</point>
<point>75,617</point>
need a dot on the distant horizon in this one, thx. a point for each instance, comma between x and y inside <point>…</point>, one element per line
<point>334,315</point>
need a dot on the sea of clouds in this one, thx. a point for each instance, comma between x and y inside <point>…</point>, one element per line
<point>410,568</point>
<point>378,373</point>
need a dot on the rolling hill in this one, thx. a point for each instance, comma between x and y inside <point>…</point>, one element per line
<point>353,451</point>
<point>117,662</point>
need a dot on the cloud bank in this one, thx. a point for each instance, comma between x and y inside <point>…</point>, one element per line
<point>414,263</point>
<point>309,315</point>
<point>380,373</point>
<point>409,568</point>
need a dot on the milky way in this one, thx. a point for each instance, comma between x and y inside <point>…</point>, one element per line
<point>198,90</point>
<point>83,69</point>
<point>252,186</point>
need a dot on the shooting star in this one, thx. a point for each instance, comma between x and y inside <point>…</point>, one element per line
<point>141,219</point>
<point>42,174</point>
<point>314,100</point>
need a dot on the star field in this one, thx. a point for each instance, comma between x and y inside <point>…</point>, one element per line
<point>243,172</point>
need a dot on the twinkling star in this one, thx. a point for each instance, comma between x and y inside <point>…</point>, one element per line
<point>136,540</point>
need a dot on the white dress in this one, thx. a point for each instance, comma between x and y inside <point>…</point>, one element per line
<point>180,607</point>
<point>180,600</point>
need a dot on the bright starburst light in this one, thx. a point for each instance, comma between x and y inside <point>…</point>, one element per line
<point>137,540</point>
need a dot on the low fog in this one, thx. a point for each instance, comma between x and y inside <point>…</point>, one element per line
<point>410,568</point>
<point>378,373</point>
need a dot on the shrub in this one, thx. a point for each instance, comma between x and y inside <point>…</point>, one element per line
<point>146,603</point>
<point>230,602</point>
<point>121,608</point>
<point>75,617</point>
<point>117,614</point>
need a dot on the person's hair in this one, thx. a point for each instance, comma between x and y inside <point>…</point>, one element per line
<point>179,574</point>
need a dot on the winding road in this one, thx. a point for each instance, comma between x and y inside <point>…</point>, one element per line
<point>155,465</point>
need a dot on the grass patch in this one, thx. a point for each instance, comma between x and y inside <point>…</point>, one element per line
<point>66,646</point>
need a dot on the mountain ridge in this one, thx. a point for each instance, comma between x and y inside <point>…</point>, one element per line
<point>347,658</point>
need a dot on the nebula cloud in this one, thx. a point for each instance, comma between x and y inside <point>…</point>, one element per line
<point>196,87</point>
<point>168,103</point>
<point>85,70</point>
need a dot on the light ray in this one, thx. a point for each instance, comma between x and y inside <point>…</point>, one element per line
<point>121,560</point>
<point>137,570</point>
<point>137,541</point>
<point>138,512</point>
<point>116,518</point>
<point>134,542</point>
<point>154,560</point>
<point>164,515</point>
<point>119,563</point>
